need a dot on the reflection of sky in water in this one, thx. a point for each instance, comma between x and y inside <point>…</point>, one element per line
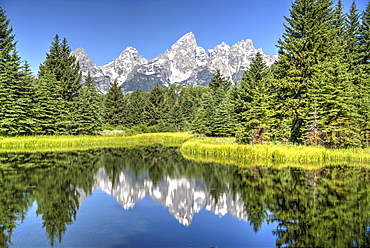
<point>102,222</point>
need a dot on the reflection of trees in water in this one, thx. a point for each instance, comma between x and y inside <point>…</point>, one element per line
<point>50,179</point>
<point>14,203</point>
<point>317,208</point>
<point>324,208</point>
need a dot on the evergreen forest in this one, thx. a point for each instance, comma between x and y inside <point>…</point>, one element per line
<point>317,93</point>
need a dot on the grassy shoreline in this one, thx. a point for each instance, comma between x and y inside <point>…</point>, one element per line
<point>267,162</point>
<point>277,154</point>
<point>225,150</point>
<point>68,143</point>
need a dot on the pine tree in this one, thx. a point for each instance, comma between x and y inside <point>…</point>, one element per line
<point>333,90</point>
<point>190,101</point>
<point>215,115</point>
<point>173,109</point>
<point>27,91</point>
<point>114,105</point>
<point>156,108</point>
<point>254,95</point>
<point>352,39</point>
<point>88,114</point>
<point>203,120</point>
<point>15,85</point>
<point>307,41</point>
<point>126,120</point>
<point>187,106</point>
<point>339,21</point>
<point>65,70</point>
<point>219,82</point>
<point>175,118</point>
<point>223,121</point>
<point>47,106</point>
<point>135,106</point>
<point>365,38</point>
<point>361,75</point>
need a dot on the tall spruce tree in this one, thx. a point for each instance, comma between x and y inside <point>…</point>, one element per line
<point>65,70</point>
<point>219,83</point>
<point>307,41</point>
<point>223,118</point>
<point>27,91</point>
<point>352,39</point>
<point>156,107</point>
<point>135,106</point>
<point>362,76</point>
<point>15,85</point>
<point>113,105</point>
<point>332,95</point>
<point>254,95</point>
<point>203,122</point>
<point>365,38</point>
<point>175,120</point>
<point>337,114</point>
<point>339,21</point>
<point>47,107</point>
<point>64,67</point>
<point>88,115</point>
<point>190,100</point>
<point>215,115</point>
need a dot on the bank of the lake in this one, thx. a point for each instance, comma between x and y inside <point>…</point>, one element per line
<point>82,142</point>
<point>224,150</point>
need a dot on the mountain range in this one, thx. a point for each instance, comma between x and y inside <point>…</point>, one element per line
<point>185,63</point>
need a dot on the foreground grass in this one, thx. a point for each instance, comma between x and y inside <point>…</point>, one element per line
<point>223,150</point>
<point>65,143</point>
<point>276,154</point>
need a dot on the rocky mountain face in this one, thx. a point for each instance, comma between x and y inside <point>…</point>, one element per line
<point>181,196</point>
<point>185,63</point>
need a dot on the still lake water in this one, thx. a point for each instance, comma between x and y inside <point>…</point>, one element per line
<point>154,197</point>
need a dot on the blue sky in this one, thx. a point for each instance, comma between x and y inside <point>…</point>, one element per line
<point>104,28</point>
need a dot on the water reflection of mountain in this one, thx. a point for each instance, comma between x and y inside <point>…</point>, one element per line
<point>182,196</point>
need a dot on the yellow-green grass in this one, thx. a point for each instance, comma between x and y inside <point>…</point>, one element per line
<point>224,150</point>
<point>65,143</point>
<point>226,147</point>
<point>265,162</point>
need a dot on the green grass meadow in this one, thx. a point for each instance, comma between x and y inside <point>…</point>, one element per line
<point>65,143</point>
<point>223,150</point>
<point>229,150</point>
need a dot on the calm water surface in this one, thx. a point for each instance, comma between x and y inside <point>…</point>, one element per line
<point>154,197</point>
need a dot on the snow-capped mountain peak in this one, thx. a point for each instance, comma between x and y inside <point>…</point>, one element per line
<point>187,36</point>
<point>185,63</point>
<point>123,64</point>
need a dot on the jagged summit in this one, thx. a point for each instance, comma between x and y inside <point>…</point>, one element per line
<point>187,36</point>
<point>130,48</point>
<point>184,63</point>
<point>80,50</point>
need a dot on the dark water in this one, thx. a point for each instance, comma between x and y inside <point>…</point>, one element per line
<point>153,197</point>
